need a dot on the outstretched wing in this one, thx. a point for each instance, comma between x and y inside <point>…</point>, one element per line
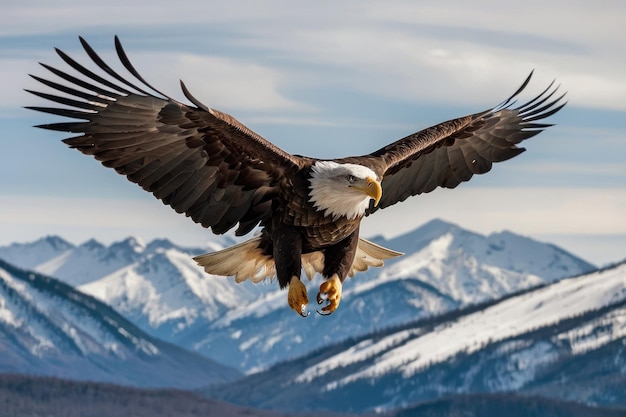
<point>451,152</point>
<point>200,161</point>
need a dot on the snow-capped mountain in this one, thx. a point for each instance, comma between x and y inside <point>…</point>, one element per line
<point>166,293</point>
<point>159,288</point>
<point>566,340</point>
<point>49,328</point>
<point>445,267</point>
<point>470,268</point>
<point>90,261</point>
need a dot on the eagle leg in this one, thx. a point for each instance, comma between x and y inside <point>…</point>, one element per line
<point>297,296</point>
<point>330,291</point>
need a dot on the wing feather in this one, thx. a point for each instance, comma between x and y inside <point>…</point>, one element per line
<point>452,152</point>
<point>200,161</point>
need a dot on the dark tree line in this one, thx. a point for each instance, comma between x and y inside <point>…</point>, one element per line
<point>25,396</point>
<point>504,405</point>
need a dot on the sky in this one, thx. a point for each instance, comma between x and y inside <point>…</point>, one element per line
<point>331,79</point>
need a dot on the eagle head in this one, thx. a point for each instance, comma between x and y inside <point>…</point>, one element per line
<point>343,190</point>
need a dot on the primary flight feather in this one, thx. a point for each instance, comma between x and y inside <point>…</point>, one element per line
<point>209,166</point>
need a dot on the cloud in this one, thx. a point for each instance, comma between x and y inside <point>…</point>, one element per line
<point>219,82</point>
<point>404,65</point>
<point>39,16</point>
<point>429,52</point>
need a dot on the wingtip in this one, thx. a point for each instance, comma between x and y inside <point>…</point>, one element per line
<point>191,98</point>
<point>85,44</point>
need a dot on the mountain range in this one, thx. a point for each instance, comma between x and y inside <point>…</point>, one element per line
<point>565,340</point>
<point>159,288</point>
<point>461,322</point>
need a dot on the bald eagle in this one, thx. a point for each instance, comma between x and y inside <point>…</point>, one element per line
<point>209,166</point>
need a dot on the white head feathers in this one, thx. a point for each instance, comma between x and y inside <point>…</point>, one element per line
<point>336,189</point>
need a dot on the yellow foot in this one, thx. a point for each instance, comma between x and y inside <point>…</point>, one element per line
<point>297,296</point>
<point>330,291</point>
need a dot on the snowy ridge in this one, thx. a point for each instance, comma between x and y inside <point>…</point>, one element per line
<point>25,255</point>
<point>472,268</point>
<point>48,328</point>
<point>86,335</point>
<point>166,288</point>
<point>91,260</point>
<point>511,317</point>
<point>564,340</point>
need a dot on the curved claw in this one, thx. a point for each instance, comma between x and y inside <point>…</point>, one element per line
<point>297,297</point>
<point>330,291</point>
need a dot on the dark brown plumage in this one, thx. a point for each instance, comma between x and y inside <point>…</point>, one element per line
<point>212,168</point>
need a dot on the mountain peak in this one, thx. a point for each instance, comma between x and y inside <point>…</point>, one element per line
<point>40,251</point>
<point>135,244</point>
<point>418,238</point>
<point>55,242</point>
<point>438,223</point>
<point>160,244</point>
<point>92,244</point>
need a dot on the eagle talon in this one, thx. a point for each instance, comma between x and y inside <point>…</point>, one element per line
<point>330,291</point>
<point>321,297</point>
<point>322,313</point>
<point>297,297</point>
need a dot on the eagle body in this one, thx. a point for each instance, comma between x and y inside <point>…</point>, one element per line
<point>212,168</point>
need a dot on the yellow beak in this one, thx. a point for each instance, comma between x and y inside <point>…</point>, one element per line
<point>372,188</point>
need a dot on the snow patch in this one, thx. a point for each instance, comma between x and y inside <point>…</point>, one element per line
<point>508,318</point>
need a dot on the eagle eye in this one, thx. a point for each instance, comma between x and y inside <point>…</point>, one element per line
<point>351,178</point>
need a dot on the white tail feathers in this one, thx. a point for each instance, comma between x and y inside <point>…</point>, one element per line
<point>370,254</point>
<point>243,261</point>
<point>247,261</point>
